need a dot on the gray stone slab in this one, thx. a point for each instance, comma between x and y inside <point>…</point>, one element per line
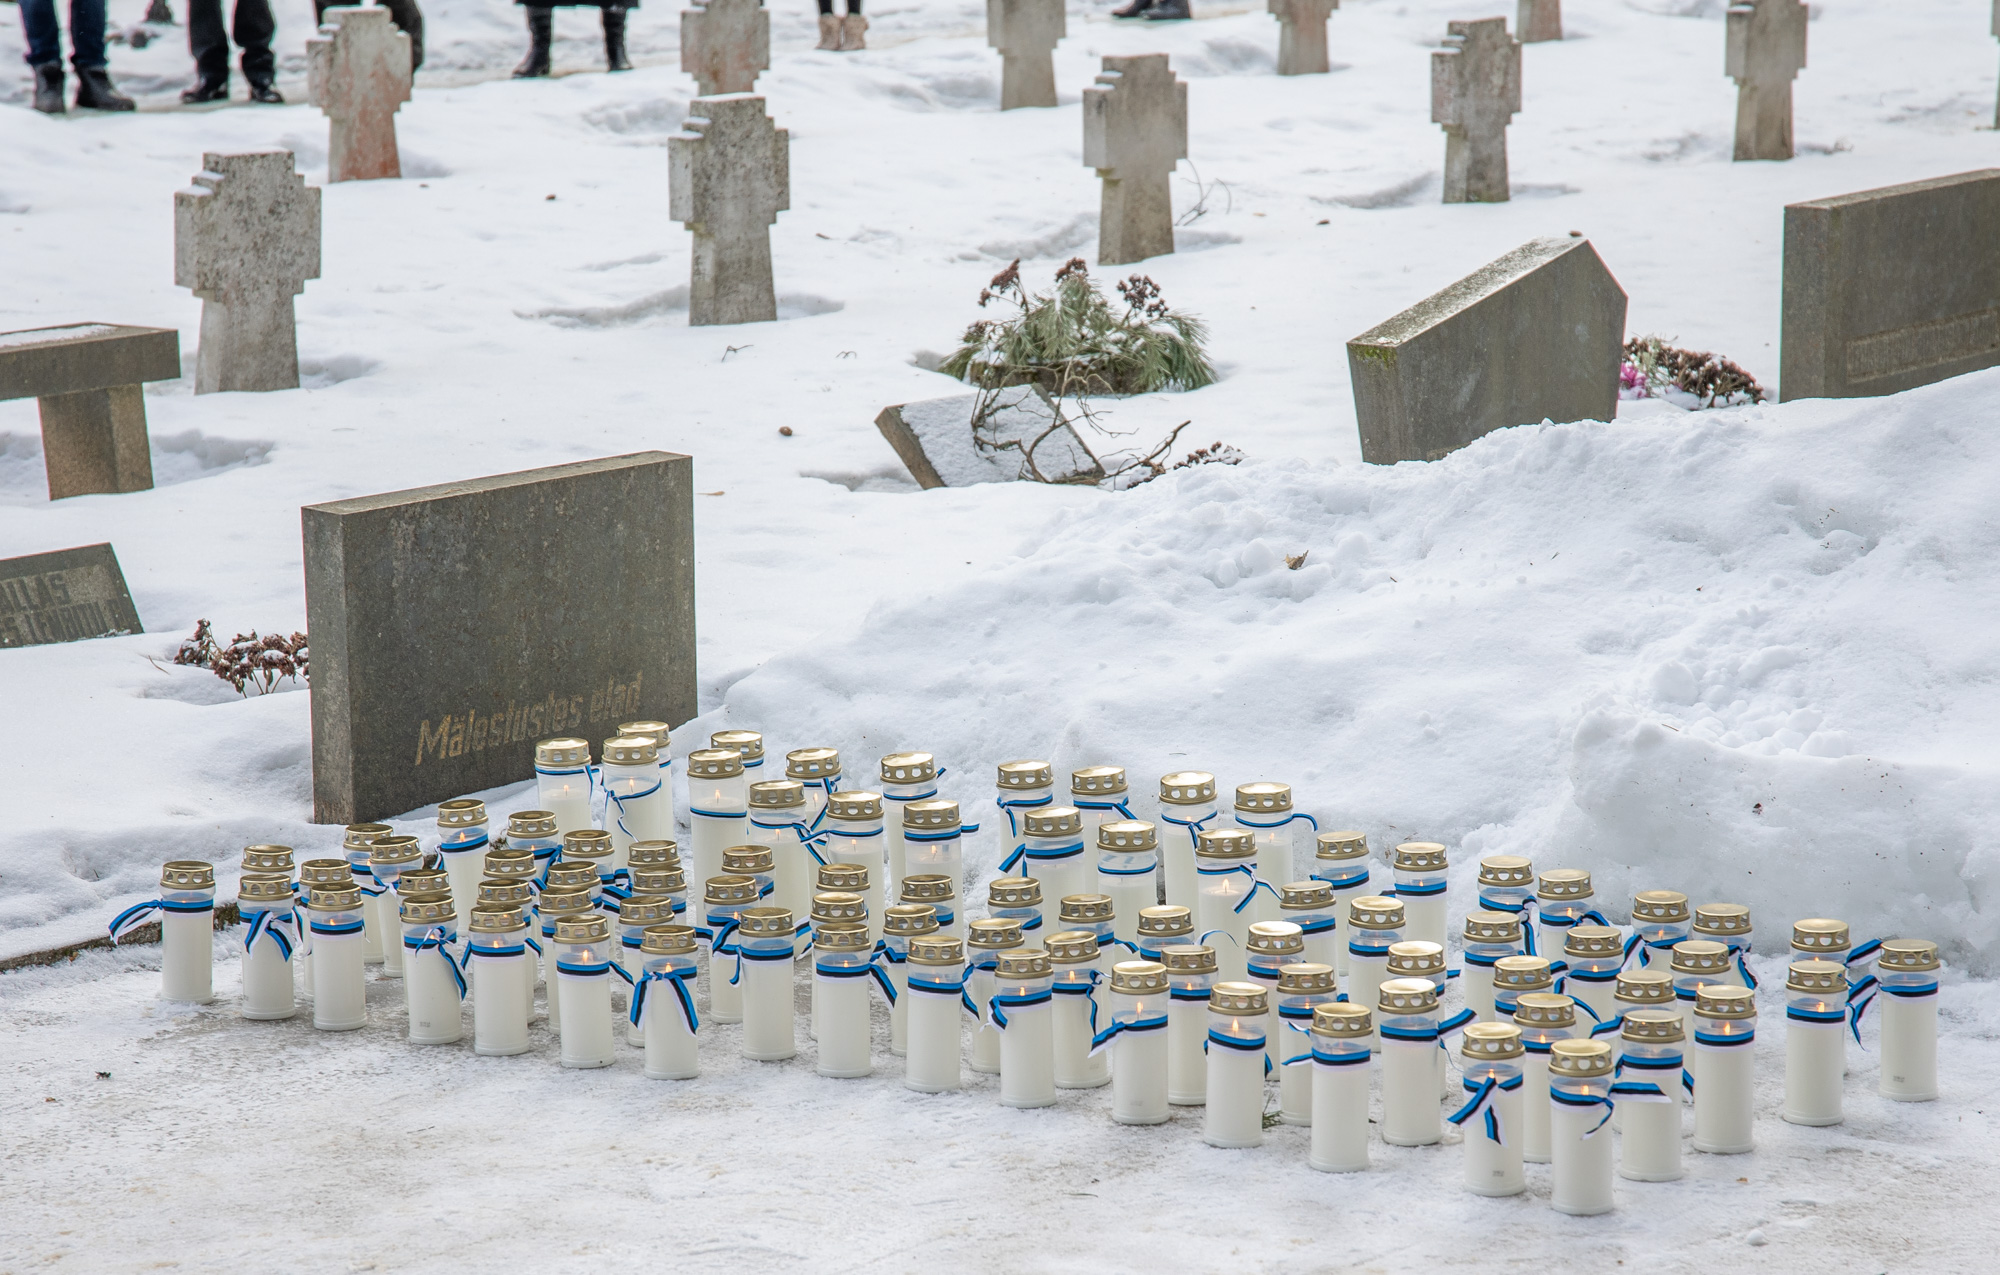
<point>1892,288</point>
<point>1135,130</point>
<point>725,43</point>
<point>453,626</point>
<point>246,239</point>
<point>729,175</point>
<point>88,377</point>
<point>1302,35</point>
<point>1764,50</point>
<point>938,442</point>
<point>1536,335</point>
<point>1026,32</point>
<point>1475,91</point>
<point>65,596</point>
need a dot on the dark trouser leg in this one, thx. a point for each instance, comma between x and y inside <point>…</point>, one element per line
<point>409,19</point>
<point>253,29</point>
<point>614,39</point>
<point>208,39</point>
<point>86,35</point>
<point>38,23</point>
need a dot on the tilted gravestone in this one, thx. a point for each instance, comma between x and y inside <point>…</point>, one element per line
<point>1134,133</point>
<point>1536,335</point>
<point>728,178</point>
<point>1538,20</point>
<point>359,73</point>
<point>1302,35</point>
<point>725,43</point>
<point>453,626</point>
<point>1765,51</point>
<point>1026,33</point>
<point>88,379</point>
<point>246,239</point>
<point>64,596</point>
<point>1020,439</point>
<point>1475,91</point>
<point>1892,288</point>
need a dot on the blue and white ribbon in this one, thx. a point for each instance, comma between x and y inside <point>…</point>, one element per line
<point>583,969</point>
<point>1084,990</point>
<point>1108,871</point>
<point>334,929</point>
<point>1583,1101</point>
<point>1482,1103</point>
<point>1649,1090</point>
<point>280,927</point>
<point>135,916</point>
<point>1120,805</point>
<point>1862,995</point>
<point>1736,954</point>
<point>1040,854</point>
<point>1816,1017</point>
<point>1605,1026</point>
<point>1345,880</point>
<point>440,938</point>
<point>1324,1055</point>
<point>1418,889</point>
<point>1102,1041</point>
<point>873,969</point>
<point>473,842</point>
<point>1257,883</point>
<point>676,979</point>
<point>1241,1044</point>
<point>999,1003</point>
<point>1195,827</point>
<point>925,986</point>
<point>496,951</point>
<point>1295,1018</point>
<point>1245,821</point>
<point>1008,805</point>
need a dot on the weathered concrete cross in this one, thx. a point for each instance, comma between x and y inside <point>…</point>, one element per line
<point>1538,20</point>
<point>1302,35</point>
<point>246,239</point>
<point>1766,51</point>
<point>1134,133</point>
<point>1026,33</point>
<point>728,178</point>
<point>725,43</point>
<point>1475,90</point>
<point>358,72</point>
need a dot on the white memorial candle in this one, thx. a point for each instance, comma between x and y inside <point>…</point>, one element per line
<point>1018,899</point>
<point>835,907</point>
<point>270,932</point>
<point>1815,1042</point>
<point>1164,925</point>
<point>638,804</point>
<point>1694,962</point>
<point>1543,1018</point>
<point>749,745</point>
<point>536,832</point>
<point>1269,947</point>
<point>1419,868</point>
<point>718,809</point>
<point>1724,1037</point>
<point>1515,977</point>
<point>1822,939</point>
<point>1226,882</point>
<point>1340,1057</point>
<point>315,874</point>
<point>936,990</point>
<point>1580,1143</point>
<point>1103,796</point>
<point>1187,801</point>
<point>498,892</point>
<point>509,863</point>
<point>1238,1014</point>
<point>572,887</point>
<point>1264,810</point>
<point>186,911</point>
<point>844,964</point>
<point>1406,1025</point>
<point>900,924</point>
<point>1491,1116</point>
<point>985,940</point>
<point>723,903</point>
<point>354,846</point>
<point>1191,971</point>
<point>663,747</point>
<point>1310,906</point>
<point>1907,971</point>
<point>1659,921</point>
<point>756,863</point>
<point>1646,989</point>
<point>1052,852</point>
<point>1076,970</point>
<point>638,913</point>
<point>583,982</point>
<point>1488,937</point>
<point>777,821</point>
<point>388,858</point>
<point>1136,1037</point>
<point>934,843</point>
<point>499,964</point>
<point>1340,859</point>
<point>664,878</point>
<point>906,778</point>
<point>1302,988</point>
<point>1128,872</point>
<point>663,1003</point>
<point>764,954</point>
<point>591,846</point>
<point>1647,1094</point>
<point>818,771</point>
<point>1595,954</point>
<point>433,982</point>
<point>462,841</point>
<point>267,861</point>
<point>853,834</point>
<point>1021,1013</point>
<point>1374,925</point>
<point>1563,898</point>
<point>1097,914</point>
<point>1728,924</point>
<point>562,781</point>
<point>1506,883</point>
<point>935,891</point>
<point>339,994</point>
<point>1018,787</point>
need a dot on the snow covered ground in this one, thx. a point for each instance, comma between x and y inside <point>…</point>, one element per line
<point>1743,654</point>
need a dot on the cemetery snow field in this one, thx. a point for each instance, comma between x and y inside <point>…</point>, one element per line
<point>1744,653</point>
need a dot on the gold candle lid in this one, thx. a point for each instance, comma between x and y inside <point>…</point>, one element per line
<point>993,932</point>
<point>851,877</point>
<point>1336,846</point>
<point>263,889</point>
<point>1645,987</point>
<point>854,807</point>
<point>1725,1000</point>
<point>928,887</point>
<point>1700,956</point>
<point>568,874</point>
<point>1138,978</point>
<point>334,898</point>
<point>1342,1021</point>
<point>1238,998</point>
<point>389,852</point>
<point>659,880</point>
<point>531,823</point>
<point>1818,934</point>
<point>725,890</point>
<point>1023,963</point>
<point>1305,896</point>
<point>934,815</point>
<point>504,892</point>
<point>746,861</point>
<point>1491,1042</point>
<point>1189,958</point>
<point>841,936</point>
<point>1404,997</point>
<point>1564,883</point>
<point>555,903</point>
<point>1492,927</point>
<point>1097,781</point>
<point>749,744</point>
<point>1593,942</point>
<point>909,768</point>
<point>1522,973</point>
<point>1653,1026</point>
<point>1014,892</point>
<point>1264,797</point>
<point>586,843</point>
<point>838,905</point>
<point>714,763</point>
<point>565,752</point>
<point>1545,1010</point>
<point>1722,919</point>
<point>1580,1059</point>
<point>1659,907</point>
<point>508,862</point>
<point>812,763</point>
<point>584,927</point>
<point>1084,907</point>
<point>1907,954</point>
<point>764,921</point>
<point>655,731</point>
<point>1828,977</point>
<point>631,750</point>
<point>1188,788</point>
<point>1507,872</point>
<point>1420,856</point>
<point>311,872</point>
<point>1073,947</point>
<point>424,881</point>
<point>937,949</point>
<point>1374,912</point>
<point>421,909</point>
<point>667,940</point>
<point>461,812</point>
<point>264,859</point>
<point>649,854</point>
<point>1024,774</point>
<point>490,919</point>
<point>1275,938</point>
<point>1052,821</point>
<point>1128,836</point>
<point>1166,921</point>
<point>1307,978</point>
<point>359,836</point>
<point>646,909</point>
<point>1416,958</point>
<point>907,919</point>
<point>776,794</point>
<point>1225,843</point>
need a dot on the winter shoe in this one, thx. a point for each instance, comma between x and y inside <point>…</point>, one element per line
<point>49,87</point>
<point>262,90</point>
<point>829,34</point>
<point>207,90</point>
<point>851,28</point>
<point>1168,11</point>
<point>94,92</point>
<point>614,39</point>
<point>541,23</point>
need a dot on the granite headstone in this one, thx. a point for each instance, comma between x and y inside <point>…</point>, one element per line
<point>941,444</point>
<point>246,239</point>
<point>64,596</point>
<point>88,379</point>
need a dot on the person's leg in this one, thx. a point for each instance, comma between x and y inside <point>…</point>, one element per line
<point>253,28</point>
<point>94,89</point>
<point>541,25</point>
<point>853,29</point>
<point>409,19</point>
<point>208,40</point>
<point>614,39</point>
<point>829,27</point>
<point>38,23</point>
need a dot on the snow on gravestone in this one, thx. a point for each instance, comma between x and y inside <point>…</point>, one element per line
<point>64,596</point>
<point>728,178</point>
<point>1889,289</point>
<point>724,44</point>
<point>246,239</point>
<point>1538,20</point>
<point>1765,50</point>
<point>87,378</point>
<point>453,626</point>
<point>1302,35</point>
<point>1475,90</point>
<point>359,73</point>
<point>1135,126</point>
<point>1026,33</point>
<point>937,441</point>
<point>1536,335</point>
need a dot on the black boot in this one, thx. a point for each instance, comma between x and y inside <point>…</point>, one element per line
<point>94,91</point>
<point>263,90</point>
<point>207,89</point>
<point>1168,11</point>
<point>159,14</point>
<point>49,88</point>
<point>1136,9</point>
<point>614,39</point>
<point>536,64</point>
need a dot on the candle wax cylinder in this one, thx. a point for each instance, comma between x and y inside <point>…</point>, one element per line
<point>1222,927</point>
<point>1234,1116</point>
<point>463,870</point>
<point>1476,982</point>
<point>670,1046</point>
<point>985,1040</point>
<point>1274,865</point>
<point>899,1012</point>
<point>933,1060</point>
<point>373,926</point>
<point>1534,1124</point>
<point>1177,842</point>
<point>1339,1118</point>
<point>1815,1058</point>
<point>1909,1046</point>
<point>267,982</point>
<point>1059,878</point>
<point>499,1012</point>
<point>791,863</point>
<point>1724,1100</point>
<point>1364,985</point>
<point>643,809</point>
<point>587,1039</point>
<point>1494,1168</point>
<point>1187,1068</point>
<point>1139,1076</point>
<point>1410,1116</point>
<point>843,1027</point>
<point>725,999</point>
<point>769,1034</point>
<point>1599,995</point>
<point>187,956</point>
<point>339,994</point>
<point>569,802</point>
<point>1649,1145</point>
<point>302,965</point>
<point>386,908</point>
<point>1128,895</point>
<point>1423,918</point>
<point>1295,1084</point>
<point>1321,948</point>
<point>1580,1167</point>
<point>1074,1068</point>
<point>432,997</point>
<point>708,837</point>
<point>1027,1057</point>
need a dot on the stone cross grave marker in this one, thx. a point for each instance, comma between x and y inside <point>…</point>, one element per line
<point>1026,33</point>
<point>1134,133</point>
<point>725,43</point>
<point>64,596</point>
<point>358,72</point>
<point>1538,20</point>
<point>88,379</point>
<point>728,178</point>
<point>1475,91</point>
<point>941,444</point>
<point>1889,289</point>
<point>453,626</point>
<point>246,239</point>
<point>1536,335</point>
<point>1765,51</point>
<point>1302,35</point>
